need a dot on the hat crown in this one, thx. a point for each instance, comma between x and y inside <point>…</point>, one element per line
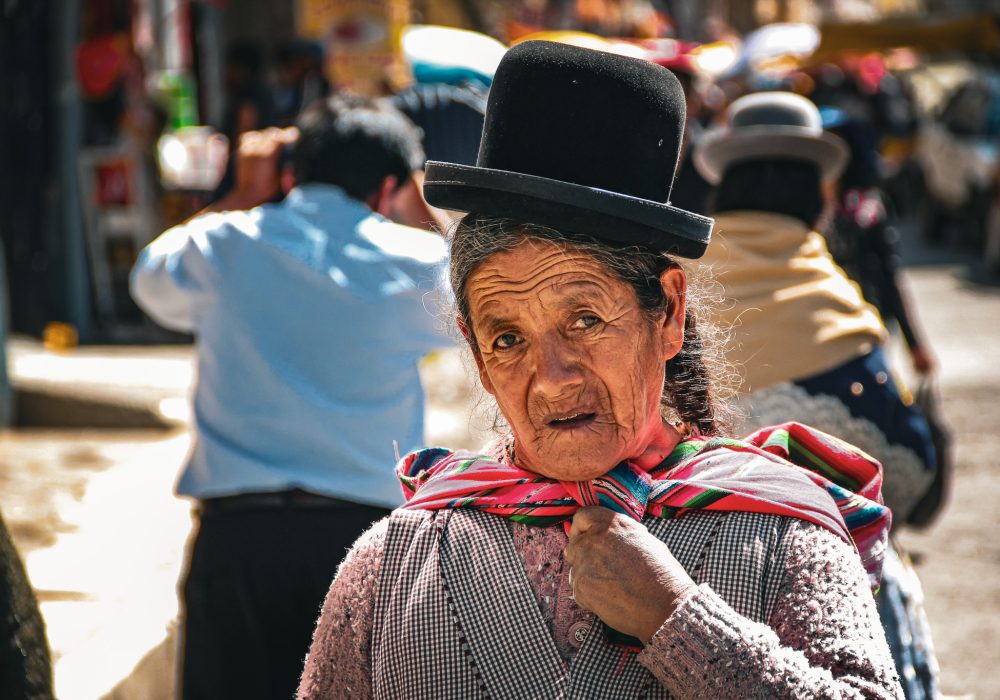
<point>585,117</point>
<point>775,109</point>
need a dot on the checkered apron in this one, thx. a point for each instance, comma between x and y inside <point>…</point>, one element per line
<point>455,615</point>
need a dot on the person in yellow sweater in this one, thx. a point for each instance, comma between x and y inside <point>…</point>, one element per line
<point>802,337</point>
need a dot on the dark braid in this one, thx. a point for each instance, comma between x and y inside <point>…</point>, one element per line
<point>687,387</point>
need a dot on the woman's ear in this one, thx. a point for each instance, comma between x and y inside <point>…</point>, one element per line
<point>484,378</point>
<point>674,284</point>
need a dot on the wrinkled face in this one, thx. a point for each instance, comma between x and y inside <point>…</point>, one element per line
<point>575,365</point>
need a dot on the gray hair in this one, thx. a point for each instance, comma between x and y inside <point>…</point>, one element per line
<point>697,382</point>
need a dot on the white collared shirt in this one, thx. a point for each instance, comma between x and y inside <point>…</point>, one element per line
<point>310,317</point>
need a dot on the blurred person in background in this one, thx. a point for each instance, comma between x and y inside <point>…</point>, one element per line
<point>310,317</point>
<point>300,79</point>
<point>865,92</point>
<point>807,344</point>
<point>247,103</point>
<point>450,117</point>
<point>691,190</point>
<point>862,236</point>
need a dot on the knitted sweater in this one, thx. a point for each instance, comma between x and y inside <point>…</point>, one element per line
<point>823,639</point>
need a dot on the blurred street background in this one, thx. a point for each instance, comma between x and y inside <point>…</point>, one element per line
<point>118,120</point>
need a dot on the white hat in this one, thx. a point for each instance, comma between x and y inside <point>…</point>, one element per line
<point>771,125</point>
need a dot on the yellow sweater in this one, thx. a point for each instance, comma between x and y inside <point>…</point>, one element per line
<point>792,312</point>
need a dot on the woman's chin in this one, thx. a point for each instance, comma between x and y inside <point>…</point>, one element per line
<point>570,465</point>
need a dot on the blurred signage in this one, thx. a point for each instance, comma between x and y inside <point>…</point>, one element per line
<point>615,18</point>
<point>99,64</point>
<point>112,186</point>
<point>362,39</point>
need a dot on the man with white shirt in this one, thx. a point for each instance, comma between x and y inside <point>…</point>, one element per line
<point>310,317</point>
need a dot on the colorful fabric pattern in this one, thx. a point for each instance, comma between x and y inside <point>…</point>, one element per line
<point>788,469</point>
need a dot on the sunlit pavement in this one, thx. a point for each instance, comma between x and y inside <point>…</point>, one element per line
<point>959,557</point>
<point>93,513</point>
<point>107,585</point>
<point>103,386</point>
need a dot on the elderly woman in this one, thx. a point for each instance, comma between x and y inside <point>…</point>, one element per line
<point>612,545</point>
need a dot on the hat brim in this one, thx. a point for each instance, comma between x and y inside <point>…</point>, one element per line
<point>608,216</point>
<point>720,149</point>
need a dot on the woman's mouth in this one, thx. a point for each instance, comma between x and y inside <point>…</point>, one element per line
<point>571,421</point>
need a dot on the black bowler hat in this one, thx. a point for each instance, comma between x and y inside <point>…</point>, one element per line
<point>581,141</point>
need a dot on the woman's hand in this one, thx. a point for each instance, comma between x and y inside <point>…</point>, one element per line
<point>622,573</point>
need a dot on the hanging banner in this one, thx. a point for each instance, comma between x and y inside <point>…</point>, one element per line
<point>362,40</point>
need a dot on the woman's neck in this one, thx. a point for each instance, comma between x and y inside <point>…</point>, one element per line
<point>664,441</point>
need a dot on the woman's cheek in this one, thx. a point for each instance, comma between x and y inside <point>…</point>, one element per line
<point>508,392</point>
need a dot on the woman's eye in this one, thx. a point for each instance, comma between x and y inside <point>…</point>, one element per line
<point>587,321</point>
<point>505,341</point>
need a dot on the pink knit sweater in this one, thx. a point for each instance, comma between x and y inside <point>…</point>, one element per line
<point>823,640</point>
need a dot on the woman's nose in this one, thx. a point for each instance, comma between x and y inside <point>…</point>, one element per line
<point>557,366</point>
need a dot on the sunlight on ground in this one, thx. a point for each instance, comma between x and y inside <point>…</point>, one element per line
<point>106,588</point>
<point>99,366</point>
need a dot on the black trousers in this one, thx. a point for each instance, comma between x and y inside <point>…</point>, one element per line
<point>254,588</point>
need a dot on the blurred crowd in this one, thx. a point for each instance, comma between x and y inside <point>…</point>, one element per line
<point>923,131</point>
<point>923,127</point>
